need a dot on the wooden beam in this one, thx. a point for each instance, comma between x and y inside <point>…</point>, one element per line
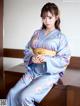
<point>74,63</point>
<point>13,53</point>
<point>73,96</point>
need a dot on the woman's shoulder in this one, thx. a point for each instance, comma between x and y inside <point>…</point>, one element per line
<point>62,35</point>
<point>36,32</point>
<point>59,34</point>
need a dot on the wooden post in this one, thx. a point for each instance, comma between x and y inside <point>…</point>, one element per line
<point>1,51</point>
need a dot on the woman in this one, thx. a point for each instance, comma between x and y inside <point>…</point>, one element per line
<point>46,57</point>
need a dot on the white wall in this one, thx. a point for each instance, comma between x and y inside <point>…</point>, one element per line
<point>22,17</point>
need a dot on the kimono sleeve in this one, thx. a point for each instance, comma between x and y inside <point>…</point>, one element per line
<point>59,62</point>
<point>28,53</point>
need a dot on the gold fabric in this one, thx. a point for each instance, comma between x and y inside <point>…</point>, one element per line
<point>43,51</point>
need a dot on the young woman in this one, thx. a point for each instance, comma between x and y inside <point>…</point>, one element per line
<point>46,57</point>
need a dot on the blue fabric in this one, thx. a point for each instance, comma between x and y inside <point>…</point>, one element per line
<point>56,41</point>
<point>39,78</point>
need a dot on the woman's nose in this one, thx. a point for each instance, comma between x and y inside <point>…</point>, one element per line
<point>47,20</point>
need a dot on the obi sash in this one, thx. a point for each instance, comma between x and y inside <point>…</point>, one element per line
<point>43,51</point>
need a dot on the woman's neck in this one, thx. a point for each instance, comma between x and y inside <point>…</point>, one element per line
<point>47,31</point>
<point>50,29</point>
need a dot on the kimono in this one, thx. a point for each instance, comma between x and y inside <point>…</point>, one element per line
<point>39,78</point>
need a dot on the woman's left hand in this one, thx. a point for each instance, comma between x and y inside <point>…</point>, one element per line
<point>41,58</point>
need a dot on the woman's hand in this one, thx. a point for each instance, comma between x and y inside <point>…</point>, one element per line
<point>38,59</point>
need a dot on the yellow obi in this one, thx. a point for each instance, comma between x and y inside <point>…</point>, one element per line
<point>44,51</point>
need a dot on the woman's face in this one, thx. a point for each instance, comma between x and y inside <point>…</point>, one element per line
<point>49,20</point>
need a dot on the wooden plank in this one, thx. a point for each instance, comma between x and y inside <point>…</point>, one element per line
<point>13,53</point>
<point>1,51</point>
<point>56,97</point>
<point>73,96</point>
<point>74,63</point>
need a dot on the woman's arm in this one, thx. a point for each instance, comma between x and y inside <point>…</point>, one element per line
<point>59,62</point>
<point>28,53</point>
<point>30,57</point>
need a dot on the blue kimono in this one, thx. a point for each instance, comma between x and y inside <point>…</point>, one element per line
<point>54,41</point>
<point>39,78</point>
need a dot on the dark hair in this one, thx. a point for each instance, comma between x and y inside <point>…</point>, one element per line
<point>53,9</point>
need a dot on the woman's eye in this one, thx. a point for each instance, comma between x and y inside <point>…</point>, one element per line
<point>43,17</point>
<point>50,17</point>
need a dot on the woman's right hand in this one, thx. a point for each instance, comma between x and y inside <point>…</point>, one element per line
<point>37,59</point>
